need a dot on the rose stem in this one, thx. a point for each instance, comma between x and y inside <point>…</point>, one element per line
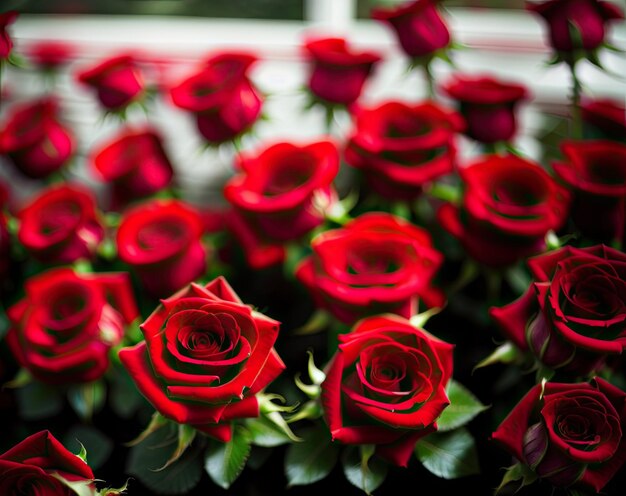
<point>576,129</point>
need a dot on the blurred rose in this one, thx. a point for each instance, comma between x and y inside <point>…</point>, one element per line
<point>205,357</point>
<point>605,118</point>
<point>223,99</point>
<point>568,434</point>
<point>508,206</point>
<point>376,263</point>
<point>574,314</point>
<point>35,139</point>
<point>6,43</point>
<point>63,328</point>
<point>161,240</point>
<point>50,54</point>
<point>280,194</point>
<point>401,147</point>
<point>386,386</point>
<point>488,106</point>
<point>61,224</point>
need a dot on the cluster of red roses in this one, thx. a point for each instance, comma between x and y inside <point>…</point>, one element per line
<point>79,272</point>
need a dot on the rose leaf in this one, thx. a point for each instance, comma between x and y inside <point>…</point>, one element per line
<point>366,473</point>
<point>312,459</point>
<point>463,407</point>
<point>449,455</point>
<point>224,462</point>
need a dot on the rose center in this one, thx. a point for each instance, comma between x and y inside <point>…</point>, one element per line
<point>289,175</point>
<point>155,235</point>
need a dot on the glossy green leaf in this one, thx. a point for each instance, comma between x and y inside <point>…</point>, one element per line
<point>312,459</point>
<point>449,455</point>
<point>224,462</point>
<point>362,470</point>
<point>463,407</point>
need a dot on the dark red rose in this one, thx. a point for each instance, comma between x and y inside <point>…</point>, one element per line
<point>6,43</point>
<point>605,118</point>
<point>117,81</point>
<point>61,225</point>
<point>50,54</point>
<point>205,357</point>
<point>568,434</point>
<point>488,105</point>
<point>509,205</point>
<point>376,263</point>
<point>161,240</point>
<point>35,139</point>
<point>386,386</point>
<point>595,171</point>
<point>30,467</point>
<point>134,162</point>
<point>281,194</point>
<point>576,24</point>
<point>401,147</point>
<point>574,314</point>
<point>223,99</point>
<point>337,71</point>
<point>418,25</point>
<point>63,328</point>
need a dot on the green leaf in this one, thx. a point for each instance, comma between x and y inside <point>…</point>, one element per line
<point>147,457</point>
<point>186,435</point>
<point>506,353</point>
<point>361,470</point>
<point>258,457</point>
<point>517,472</point>
<point>225,461</point>
<point>311,460</point>
<point>97,445</point>
<point>124,397</point>
<point>265,433</point>
<point>38,401</point>
<point>463,407</point>
<point>86,399</point>
<point>449,455</point>
<point>21,379</point>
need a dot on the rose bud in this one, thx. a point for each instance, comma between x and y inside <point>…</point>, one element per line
<point>63,328</point>
<point>376,263</point>
<point>161,241</point>
<point>280,194</point>
<point>400,147</point>
<point>221,96</point>
<point>35,139</point>
<point>61,224</point>
<point>570,435</point>
<point>50,55</point>
<point>205,357</point>
<point>508,206</point>
<point>6,43</point>
<point>488,106</point>
<point>604,118</point>
<point>337,71</point>
<point>418,26</point>
<point>595,172</point>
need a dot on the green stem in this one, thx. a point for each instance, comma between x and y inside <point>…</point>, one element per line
<point>577,125</point>
<point>430,80</point>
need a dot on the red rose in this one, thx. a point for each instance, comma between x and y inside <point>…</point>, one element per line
<point>574,314</point>
<point>63,328</point>
<point>61,225</point>
<point>595,171</point>
<point>50,55</point>
<point>205,357</point>
<point>576,24</point>
<point>221,96</point>
<point>401,147</point>
<point>134,162</point>
<point>117,81</point>
<point>386,386</point>
<point>6,43</point>
<point>35,139</point>
<point>376,263</point>
<point>419,27</point>
<point>34,464</point>
<point>488,106</point>
<point>280,194</point>
<point>337,72</point>
<point>605,118</point>
<point>508,206</point>
<point>569,434</point>
<point>161,240</point>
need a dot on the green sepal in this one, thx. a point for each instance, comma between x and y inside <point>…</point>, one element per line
<point>449,455</point>
<point>463,407</point>
<point>514,473</point>
<point>265,433</point>
<point>113,491</point>
<point>419,320</point>
<point>156,422</point>
<point>224,462</point>
<point>21,379</point>
<point>271,411</point>
<point>96,444</point>
<point>506,353</point>
<point>317,322</point>
<point>310,410</point>
<point>186,435</point>
<point>79,487</point>
<point>361,469</point>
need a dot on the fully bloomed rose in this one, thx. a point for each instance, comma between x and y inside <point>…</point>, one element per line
<point>205,357</point>
<point>117,81</point>
<point>488,105</point>
<point>376,263</point>
<point>337,71</point>
<point>401,147</point>
<point>605,118</point>
<point>61,224</point>
<point>574,313</point>
<point>161,241</point>
<point>42,466</point>
<point>569,434</point>
<point>221,96</point>
<point>595,172</point>
<point>35,139</point>
<point>280,194</point>
<point>418,25</point>
<point>386,386</point>
<point>6,43</point>
<point>63,328</point>
<point>134,162</point>
<point>576,24</point>
<point>508,206</point>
